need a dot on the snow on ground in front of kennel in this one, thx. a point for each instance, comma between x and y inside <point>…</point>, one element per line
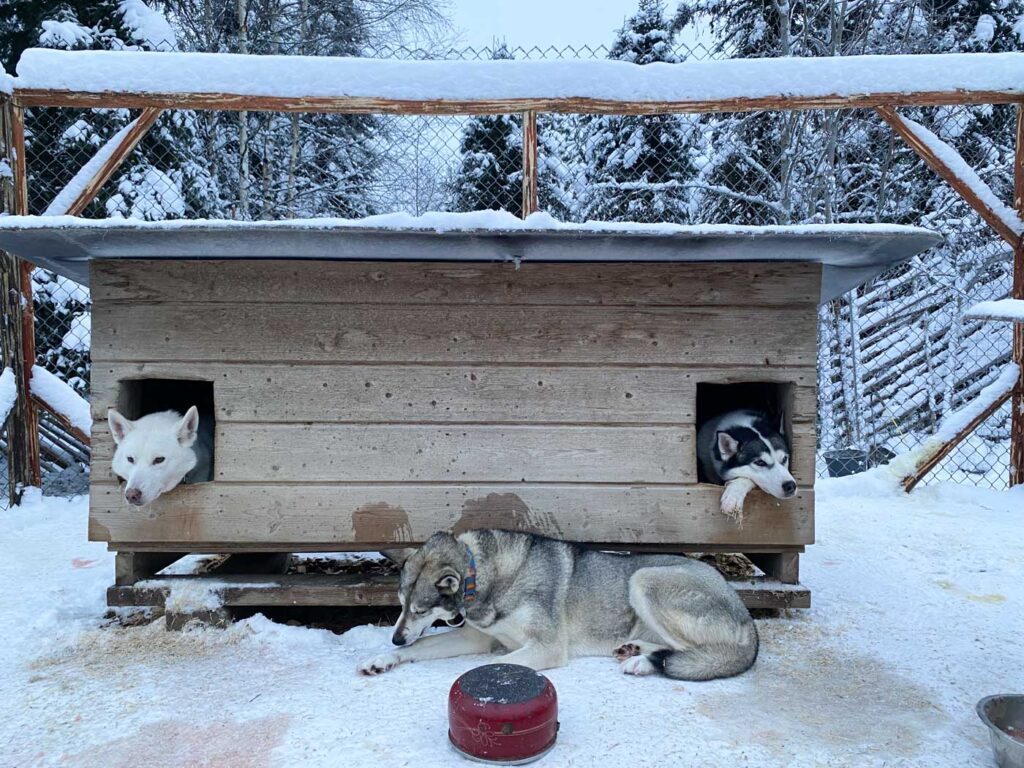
<point>917,614</point>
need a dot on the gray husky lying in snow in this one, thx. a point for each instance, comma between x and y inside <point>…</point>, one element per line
<point>546,601</point>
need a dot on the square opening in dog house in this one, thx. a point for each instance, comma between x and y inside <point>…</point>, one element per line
<point>140,397</point>
<point>773,398</point>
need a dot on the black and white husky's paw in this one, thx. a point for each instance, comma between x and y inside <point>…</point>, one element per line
<point>379,664</point>
<point>637,665</point>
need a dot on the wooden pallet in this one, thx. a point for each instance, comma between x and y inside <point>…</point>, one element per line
<point>323,590</point>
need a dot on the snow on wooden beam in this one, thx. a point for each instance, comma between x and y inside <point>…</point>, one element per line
<point>70,408</point>
<point>91,177</point>
<point>955,171</point>
<point>326,84</point>
<point>1009,310</point>
<point>959,424</point>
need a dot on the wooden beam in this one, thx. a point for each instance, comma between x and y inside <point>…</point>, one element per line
<point>348,589</point>
<point>1017,409</point>
<point>37,97</point>
<point>529,163</point>
<point>910,481</point>
<point>132,567</point>
<point>940,167</point>
<point>139,129</point>
<point>61,419</point>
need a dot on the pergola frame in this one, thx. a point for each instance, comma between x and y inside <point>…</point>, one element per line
<point>15,276</point>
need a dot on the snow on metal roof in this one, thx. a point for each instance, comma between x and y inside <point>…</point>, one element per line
<point>850,253</point>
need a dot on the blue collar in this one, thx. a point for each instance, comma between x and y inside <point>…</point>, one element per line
<point>469,585</point>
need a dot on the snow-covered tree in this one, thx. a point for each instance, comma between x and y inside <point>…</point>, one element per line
<point>271,165</point>
<point>638,167</point>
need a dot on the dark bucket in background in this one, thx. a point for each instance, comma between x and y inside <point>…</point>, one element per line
<point>846,461</point>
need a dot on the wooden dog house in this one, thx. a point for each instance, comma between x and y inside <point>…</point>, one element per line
<point>372,385</point>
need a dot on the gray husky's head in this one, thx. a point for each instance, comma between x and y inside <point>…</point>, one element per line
<point>758,452</point>
<point>431,586</point>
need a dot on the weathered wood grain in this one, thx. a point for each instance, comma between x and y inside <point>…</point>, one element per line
<point>367,333</point>
<point>295,453</point>
<point>310,517</point>
<point>530,189</point>
<point>411,283</point>
<point>46,97</point>
<point>325,590</point>
<point>130,567</point>
<point>450,394</point>
<point>346,453</point>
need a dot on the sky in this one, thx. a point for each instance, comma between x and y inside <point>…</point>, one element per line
<point>529,23</point>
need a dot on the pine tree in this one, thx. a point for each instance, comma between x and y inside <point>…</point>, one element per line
<point>638,167</point>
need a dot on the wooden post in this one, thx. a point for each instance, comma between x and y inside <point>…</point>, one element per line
<point>1017,406</point>
<point>28,324</point>
<point>17,339</point>
<point>529,163</point>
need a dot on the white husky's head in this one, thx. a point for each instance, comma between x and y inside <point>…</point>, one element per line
<point>153,453</point>
<point>749,446</point>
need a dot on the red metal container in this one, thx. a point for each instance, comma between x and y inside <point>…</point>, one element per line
<point>502,713</point>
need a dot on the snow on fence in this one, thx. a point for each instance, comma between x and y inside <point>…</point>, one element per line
<point>215,80</point>
<point>957,425</point>
<point>1011,310</point>
<point>8,393</point>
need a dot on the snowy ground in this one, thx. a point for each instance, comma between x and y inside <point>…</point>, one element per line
<point>917,614</point>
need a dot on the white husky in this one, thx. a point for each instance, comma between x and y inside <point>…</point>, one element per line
<point>158,451</point>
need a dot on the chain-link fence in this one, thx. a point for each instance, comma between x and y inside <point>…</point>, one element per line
<point>895,355</point>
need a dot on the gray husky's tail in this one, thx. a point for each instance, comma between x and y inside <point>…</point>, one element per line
<point>707,662</point>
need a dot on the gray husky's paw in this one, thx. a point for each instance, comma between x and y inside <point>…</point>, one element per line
<point>637,665</point>
<point>379,664</point>
<point>626,651</point>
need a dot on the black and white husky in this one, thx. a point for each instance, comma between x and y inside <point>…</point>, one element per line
<point>743,449</point>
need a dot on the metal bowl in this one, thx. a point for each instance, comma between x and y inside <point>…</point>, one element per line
<point>1001,713</point>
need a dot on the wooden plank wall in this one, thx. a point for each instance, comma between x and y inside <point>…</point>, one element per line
<point>366,403</point>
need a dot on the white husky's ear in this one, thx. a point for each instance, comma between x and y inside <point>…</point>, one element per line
<point>727,445</point>
<point>448,583</point>
<point>188,427</point>
<point>119,425</point>
<point>782,423</point>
